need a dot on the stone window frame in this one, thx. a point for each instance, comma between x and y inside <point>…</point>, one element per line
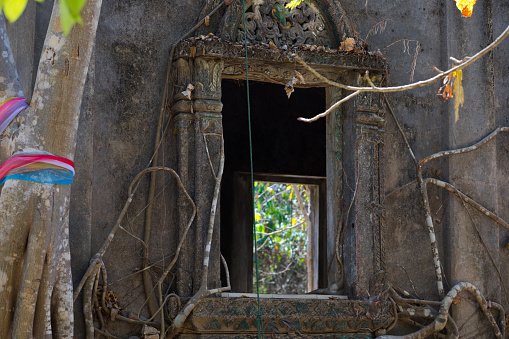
<point>353,143</point>
<point>354,136</point>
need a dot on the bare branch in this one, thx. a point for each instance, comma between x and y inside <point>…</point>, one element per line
<point>464,63</point>
<point>213,209</point>
<point>333,107</point>
<point>463,150</point>
<point>400,130</point>
<point>469,201</point>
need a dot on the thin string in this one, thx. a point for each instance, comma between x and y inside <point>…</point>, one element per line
<point>259,315</point>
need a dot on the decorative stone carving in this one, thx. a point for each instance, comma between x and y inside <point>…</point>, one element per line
<point>270,20</point>
<point>238,315</point>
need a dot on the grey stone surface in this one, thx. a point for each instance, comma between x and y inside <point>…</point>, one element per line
<point>119,117</point>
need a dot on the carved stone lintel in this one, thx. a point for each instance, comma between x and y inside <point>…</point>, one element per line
<point>234,53</point>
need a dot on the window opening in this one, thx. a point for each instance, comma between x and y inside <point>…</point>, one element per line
<point>285,234</point>
<point>285,151</point>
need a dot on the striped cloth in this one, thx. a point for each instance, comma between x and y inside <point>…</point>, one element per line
<point>38,166</point>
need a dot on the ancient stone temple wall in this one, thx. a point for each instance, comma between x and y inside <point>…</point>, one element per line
<point>384,224</point>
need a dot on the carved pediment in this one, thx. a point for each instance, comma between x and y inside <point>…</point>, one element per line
<point>270,21</point>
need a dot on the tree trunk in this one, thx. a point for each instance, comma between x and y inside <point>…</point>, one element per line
<point>35,270</point>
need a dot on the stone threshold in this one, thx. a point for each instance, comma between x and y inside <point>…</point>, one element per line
<point>236,315</point>
<point>285,296</point>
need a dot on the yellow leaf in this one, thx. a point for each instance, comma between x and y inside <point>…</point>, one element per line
<point>459,94</point>
<point>465,6</point>
<point>14,8</point>
<point>257,217</point>
<point>292,4</point>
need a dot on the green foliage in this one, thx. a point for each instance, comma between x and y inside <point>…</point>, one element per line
<point>69,11</point>
<point>281,238</point>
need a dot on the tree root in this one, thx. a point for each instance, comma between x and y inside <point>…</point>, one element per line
<point>441,318</point>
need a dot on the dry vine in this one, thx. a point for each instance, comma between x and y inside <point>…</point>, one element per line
<point>441,320</point>
<point>92,275</point>
<point>155,299</point>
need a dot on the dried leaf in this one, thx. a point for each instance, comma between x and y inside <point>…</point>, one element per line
<point>458,93</point>
<point>466,7</point>
<point>206,21</point>
<point>447,89</point>
<point>297,79</point>
<point>289,87</point>
<point>456,300</point>
<point>228,2</point>
<point>187,92</point>
<point>272,45</point>
<point>348,44</point>
<point>193,51</point>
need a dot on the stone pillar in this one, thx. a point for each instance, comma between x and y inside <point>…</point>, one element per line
<point>199,134</point>
<point>363,194</point>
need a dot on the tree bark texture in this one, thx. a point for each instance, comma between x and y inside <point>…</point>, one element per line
<point>35,271</point>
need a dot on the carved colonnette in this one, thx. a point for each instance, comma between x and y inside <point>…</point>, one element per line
<point>335,208</point>
<point>199,134</point>
<point>364,221</point>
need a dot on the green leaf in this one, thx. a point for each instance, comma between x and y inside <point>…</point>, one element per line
<point>75,7</point>
<point>66,19</point>
<point>70,13</point>
<point>14,8</point>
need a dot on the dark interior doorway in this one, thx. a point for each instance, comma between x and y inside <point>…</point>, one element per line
<point>282,146</point>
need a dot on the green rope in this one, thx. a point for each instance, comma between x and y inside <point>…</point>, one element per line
<point>259,323</point>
